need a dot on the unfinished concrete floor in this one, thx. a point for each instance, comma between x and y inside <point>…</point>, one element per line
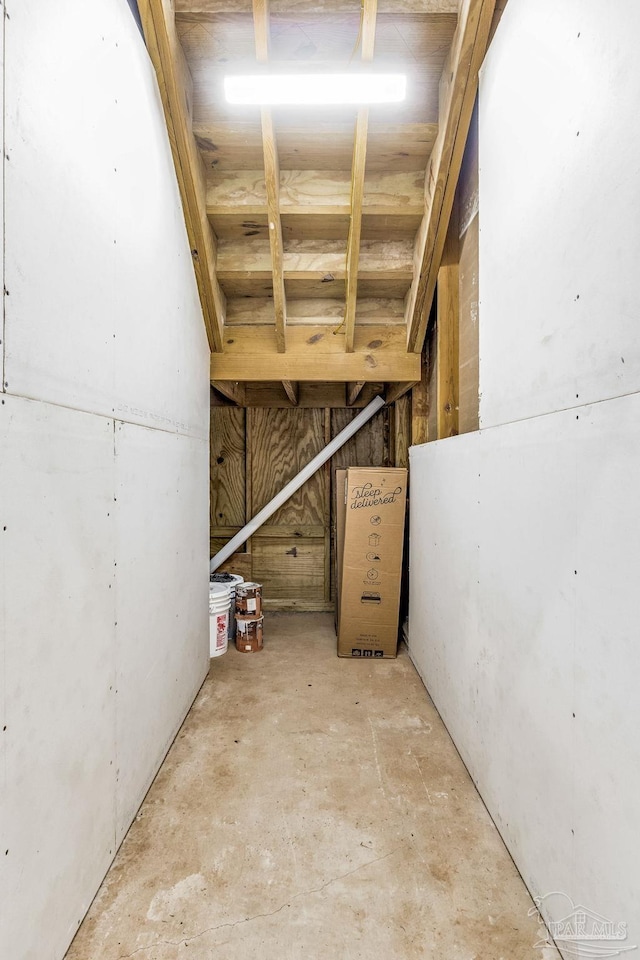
<point>311,808</point>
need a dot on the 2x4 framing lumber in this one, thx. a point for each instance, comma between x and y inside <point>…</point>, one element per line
<point>203,10</point>
<point>174,81</point>
<point>447,335</point>
<point>369,14</point>
<point>457,95</point>
<point>272,180</point>
<point>315,354</point>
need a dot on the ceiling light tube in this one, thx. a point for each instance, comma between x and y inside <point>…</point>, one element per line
<point>307,89</point>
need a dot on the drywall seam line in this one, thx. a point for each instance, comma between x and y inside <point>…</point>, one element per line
<point>107,416</point>
<point>550,413</point>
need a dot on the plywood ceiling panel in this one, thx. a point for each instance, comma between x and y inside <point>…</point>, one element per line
<point>292,170</point>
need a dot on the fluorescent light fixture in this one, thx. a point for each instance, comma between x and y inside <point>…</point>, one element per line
<point>311,89</point>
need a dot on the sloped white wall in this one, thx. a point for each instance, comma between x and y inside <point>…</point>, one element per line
<point>525,537</point>
<point>104,460</point>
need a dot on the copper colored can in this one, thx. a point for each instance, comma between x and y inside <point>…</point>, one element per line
<point>249,600</point>
<point>249,634</point>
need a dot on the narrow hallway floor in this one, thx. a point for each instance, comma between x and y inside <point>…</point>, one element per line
<point>311,808</point>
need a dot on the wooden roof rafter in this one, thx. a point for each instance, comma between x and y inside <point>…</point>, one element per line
<point>174,82</point>
<point>368,30</point>
<point>458,89</point>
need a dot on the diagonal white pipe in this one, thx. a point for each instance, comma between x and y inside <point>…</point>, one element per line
<point>321,458</point>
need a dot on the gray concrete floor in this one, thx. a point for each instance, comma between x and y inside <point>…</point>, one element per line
<point>311,808</point>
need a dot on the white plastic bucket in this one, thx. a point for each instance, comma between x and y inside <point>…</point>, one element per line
<point>231,580</point>
<point>219,603</point>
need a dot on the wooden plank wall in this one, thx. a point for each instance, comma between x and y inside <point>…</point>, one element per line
<point>255,451</point>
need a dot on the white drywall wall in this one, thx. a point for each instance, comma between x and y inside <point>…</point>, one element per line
<point>561,212</point>
<point>104,465</point>
<point>524,558</point>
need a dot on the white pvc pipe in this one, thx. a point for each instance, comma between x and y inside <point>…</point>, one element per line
<point>321,458</point>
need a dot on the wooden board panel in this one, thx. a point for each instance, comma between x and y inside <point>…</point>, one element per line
<point>419,42</point>
<point>227,504</point>
<point>366,448</point>
<point>240,563</point>
<point>229,145</point>
<point>313,191</point>
<point>283,442</point>
<point>305,259</point>
<point>314,311</point>
<point>290,570</point>
<point>197,10</point>
<point>313,288</point>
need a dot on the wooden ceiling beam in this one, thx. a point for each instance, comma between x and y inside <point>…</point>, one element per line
<point>315,354</point>
<point>457,96</point>
<point>368,30</point>
<point>174,81</point>
<point>271,179</point>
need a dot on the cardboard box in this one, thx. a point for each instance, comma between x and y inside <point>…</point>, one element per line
<point>370,561</point>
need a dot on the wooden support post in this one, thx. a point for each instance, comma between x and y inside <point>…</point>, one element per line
<point>447,334</point>
<point>402,430</point>
<point>420,408</point>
